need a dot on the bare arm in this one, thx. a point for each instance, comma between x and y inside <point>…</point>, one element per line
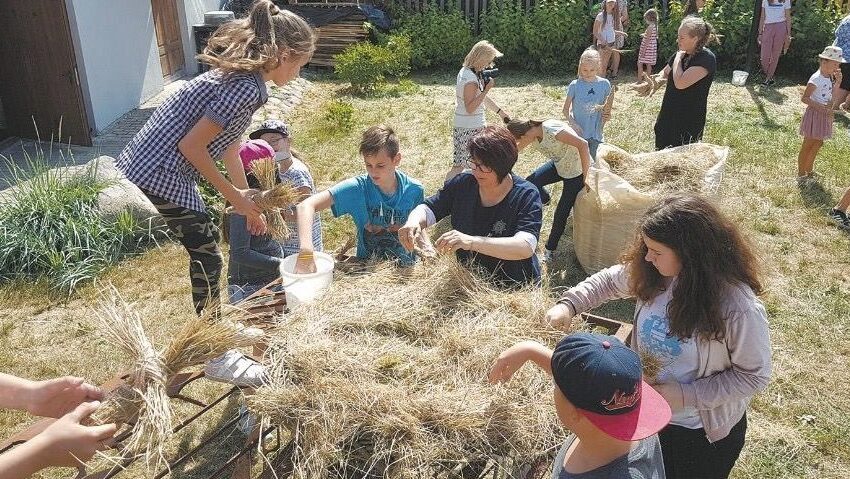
<point>305,211</point>
<point>64,443</point>
<point>685,78</point>
<point>516,356</point>
<point>568,114</point>
<point>579,144</point>
<point>473,97</point>
<point>193,146</point>
<point>807,99</point>
<point>234,167</point>
<point>494,107</point>
<point>416,222</point>
<point>597,32</point>
<point>512,248</point>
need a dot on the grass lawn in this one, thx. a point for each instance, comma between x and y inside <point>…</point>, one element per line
<point>799,427</point>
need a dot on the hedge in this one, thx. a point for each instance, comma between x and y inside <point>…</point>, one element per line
<point>550,37</point>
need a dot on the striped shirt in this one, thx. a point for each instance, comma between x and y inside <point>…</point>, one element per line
<point>152,160</point>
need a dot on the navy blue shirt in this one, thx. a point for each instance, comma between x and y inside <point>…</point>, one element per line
<point>520,210</point>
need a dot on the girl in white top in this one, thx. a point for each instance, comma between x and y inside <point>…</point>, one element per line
<point>605,31</point>
<point>774,35</point>
<point>470,99</point>
<point>816,125</point>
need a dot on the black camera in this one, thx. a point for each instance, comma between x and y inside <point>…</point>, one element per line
<point>488,73</point>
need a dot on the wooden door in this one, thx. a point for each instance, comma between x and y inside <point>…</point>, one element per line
<point>168,38</point>
<point>39,82</point>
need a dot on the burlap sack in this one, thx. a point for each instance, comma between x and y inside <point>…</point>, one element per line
<point>605,218</point>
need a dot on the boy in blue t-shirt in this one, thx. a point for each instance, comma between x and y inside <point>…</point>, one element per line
<point>378,202</point>
<point>587,106</point>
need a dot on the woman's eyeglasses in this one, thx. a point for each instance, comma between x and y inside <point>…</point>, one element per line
<point>478,166</point>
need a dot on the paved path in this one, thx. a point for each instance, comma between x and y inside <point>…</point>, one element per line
<point>120,132</point>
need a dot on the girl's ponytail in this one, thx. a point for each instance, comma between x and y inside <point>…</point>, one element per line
<point>257,42</point>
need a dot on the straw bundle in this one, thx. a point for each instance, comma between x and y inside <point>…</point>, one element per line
<point>387,375</point>
<point>143,400</point>
<point>648,85</point>
<point>651,365</point>
<point>666,171</point>
<point>273,197</point>
<point>143,397</point>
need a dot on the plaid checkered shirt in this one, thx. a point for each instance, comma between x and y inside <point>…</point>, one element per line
<point>152,161</point>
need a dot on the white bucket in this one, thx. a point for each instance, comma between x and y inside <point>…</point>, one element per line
<point>305,288</point>
<point>739,77</point>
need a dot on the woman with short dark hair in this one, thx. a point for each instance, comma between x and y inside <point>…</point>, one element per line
<point>495,215</point>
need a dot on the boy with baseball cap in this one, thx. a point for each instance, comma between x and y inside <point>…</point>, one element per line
<point>601,398</point>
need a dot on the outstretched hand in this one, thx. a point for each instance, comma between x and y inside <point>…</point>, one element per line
<point>57,397</point>
<point>67,443</point>
<point>559,316</point>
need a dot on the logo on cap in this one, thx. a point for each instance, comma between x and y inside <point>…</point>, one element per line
<point>621,400</point>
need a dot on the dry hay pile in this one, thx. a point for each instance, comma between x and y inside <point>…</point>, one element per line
<point>662,172</point>
<point>141,402</point>
<point>386,375</point>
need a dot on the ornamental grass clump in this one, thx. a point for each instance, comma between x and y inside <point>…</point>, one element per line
<point>386,375</point>
<point>51,228</point>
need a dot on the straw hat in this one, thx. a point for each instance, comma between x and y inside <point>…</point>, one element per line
<point>833,53</point>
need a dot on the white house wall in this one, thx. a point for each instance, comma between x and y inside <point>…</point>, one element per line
<point>192,13</point>
<point>117,56</point>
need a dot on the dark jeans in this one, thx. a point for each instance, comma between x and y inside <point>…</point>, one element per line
<point>546,174</point>
<point>197,233</point>
<point>689,455</point>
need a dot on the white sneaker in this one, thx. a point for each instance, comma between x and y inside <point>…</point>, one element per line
<point>545,256</point>
<point>235,368</point>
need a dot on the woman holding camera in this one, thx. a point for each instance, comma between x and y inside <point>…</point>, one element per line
<point>473,84</point>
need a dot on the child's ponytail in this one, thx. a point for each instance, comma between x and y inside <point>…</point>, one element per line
<point>257,42</point>
<point>520,126</point>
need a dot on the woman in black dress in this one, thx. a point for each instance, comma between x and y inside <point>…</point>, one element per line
<point>689,74</point>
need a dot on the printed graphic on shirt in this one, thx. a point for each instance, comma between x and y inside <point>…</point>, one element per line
<point>380,233</point>
<point>654,336</point>
<point>498,228</point>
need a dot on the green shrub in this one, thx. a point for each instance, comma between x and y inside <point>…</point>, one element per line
<point>556,33</point>
<point>363,65</point>
<point>339,115</point>
<point>367,66</point>
<point>439,38</point>
<point>398,64</point>
<point>503,24</point>
<point>52,229</point>
<point>812,28</point>
<point>551,35</point>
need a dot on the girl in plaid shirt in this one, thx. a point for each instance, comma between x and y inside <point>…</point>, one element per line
<point>203,122</point>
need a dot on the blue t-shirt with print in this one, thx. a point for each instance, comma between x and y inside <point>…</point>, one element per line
<point>378,216</point>
<point>586,97</point>
<point>521,210</point>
